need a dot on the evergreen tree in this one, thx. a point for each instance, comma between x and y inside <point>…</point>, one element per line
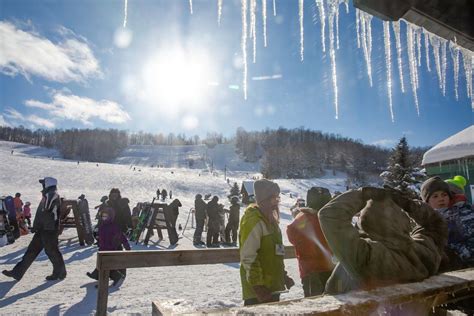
<point>234,191</point>
<point>401,174</point>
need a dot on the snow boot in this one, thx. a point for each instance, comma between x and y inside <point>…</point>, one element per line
<point>9,273</point>
<point>54,277</point>
<point>93,275</point>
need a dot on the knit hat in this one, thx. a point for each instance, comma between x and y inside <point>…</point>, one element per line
<point>264,189</point>
<point>457,184</point>
<point>317,197</point>
<point>48,182</point>
<point>432,185</point>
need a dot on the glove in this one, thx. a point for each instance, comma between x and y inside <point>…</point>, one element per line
<point>263,294</point>
<point>373,193</point>
<point>289,282</point>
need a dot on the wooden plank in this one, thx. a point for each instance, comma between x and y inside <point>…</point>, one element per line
<point>103,292</point>
<point>113,260</point>
<point>419,296</point>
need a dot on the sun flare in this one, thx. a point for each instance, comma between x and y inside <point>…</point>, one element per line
<point>178,78</point>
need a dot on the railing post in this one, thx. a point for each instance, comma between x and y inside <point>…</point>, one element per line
<point>103,288</point>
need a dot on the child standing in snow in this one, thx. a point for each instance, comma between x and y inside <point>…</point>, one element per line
<point>110,238</point>
<point>27,213</point>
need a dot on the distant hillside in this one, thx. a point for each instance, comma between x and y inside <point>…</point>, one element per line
<point>219,157</point>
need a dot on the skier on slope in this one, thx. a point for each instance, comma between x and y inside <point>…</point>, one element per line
<point>46,228</point>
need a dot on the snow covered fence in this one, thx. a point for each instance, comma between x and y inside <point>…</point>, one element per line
<point>417,298</point>
<point>115,260</point>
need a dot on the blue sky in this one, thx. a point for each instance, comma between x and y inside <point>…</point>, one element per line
<point>67,64</point>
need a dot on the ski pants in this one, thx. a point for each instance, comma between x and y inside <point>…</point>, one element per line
<point>314,283</point>
<point>231,227</point>
<point>199,229</point>
<point>212,233</point>
<point>47,240</point>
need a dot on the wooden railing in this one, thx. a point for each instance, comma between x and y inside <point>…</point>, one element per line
<point>418,298</point>
<point>115,260</point>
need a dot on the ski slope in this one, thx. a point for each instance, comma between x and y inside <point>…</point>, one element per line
<point>201,287</point>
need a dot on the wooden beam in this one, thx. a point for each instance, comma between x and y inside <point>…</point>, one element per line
<point>418,296</point>
<point>114,260</point>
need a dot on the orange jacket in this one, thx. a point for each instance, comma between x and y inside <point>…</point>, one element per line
<point>18,203</point>
<point>312,250</point>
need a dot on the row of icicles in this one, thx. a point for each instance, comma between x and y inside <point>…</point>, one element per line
<point>329,14</point>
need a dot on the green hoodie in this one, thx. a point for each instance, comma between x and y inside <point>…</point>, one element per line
<point>259,262</point>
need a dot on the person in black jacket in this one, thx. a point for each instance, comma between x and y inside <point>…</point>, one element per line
<point>46,228</point>
<point>233,223</point>
<point>200,213</point>
<point>123,215</point>
<point>213,224</point>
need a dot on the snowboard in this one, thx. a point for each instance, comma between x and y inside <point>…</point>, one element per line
<point>172,234</point>
<point>85,219</point>
<point>151,224</point>
<point>142,222</point>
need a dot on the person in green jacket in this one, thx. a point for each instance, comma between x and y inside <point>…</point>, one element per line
<point>383,249</point>
<point>262,271</point>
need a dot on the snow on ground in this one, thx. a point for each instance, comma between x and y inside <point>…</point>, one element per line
<point>202,287</point>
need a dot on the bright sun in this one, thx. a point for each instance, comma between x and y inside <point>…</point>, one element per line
<point>177,78</point>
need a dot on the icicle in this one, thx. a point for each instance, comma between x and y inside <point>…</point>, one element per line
<point>322,19</point>
<point>274,8</point>
<point>264,19</point>
<point>358,27</point>
<point>418,45</point>
<point>386,39</point>
<point>301,15</point>
<point>412,65</point>
<point>191,6</point>
<point>366,38</point>
<point>333,6</point>
<point>427,50</point>
<point>455,56</point>
<point>467,58</point>
<point>244,45</point>
<point>396,31</point>
<point>219,12</point>
<point>435,43</point>
<point>253,27</point>
<point>337,28</point>
<point>125,9</point>
<point>443,66</point>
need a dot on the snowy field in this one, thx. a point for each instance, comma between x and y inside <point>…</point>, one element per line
<point>202,287</point>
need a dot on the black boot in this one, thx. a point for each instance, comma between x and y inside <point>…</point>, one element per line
<point>9,273</point>
<point>56,276</point>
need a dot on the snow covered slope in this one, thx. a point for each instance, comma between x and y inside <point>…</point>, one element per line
<point>207,286</point>
<point>196,156</point>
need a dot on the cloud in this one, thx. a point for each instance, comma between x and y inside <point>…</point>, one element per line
<point>72,107</point>
<point>40,121</point>
<point>34,119</point>
<point>27,53</point>
<point>385,142</point>
<point>3,122</point>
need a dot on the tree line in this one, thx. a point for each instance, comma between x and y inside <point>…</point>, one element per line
<point>283,153</point>
<point>305,153</point>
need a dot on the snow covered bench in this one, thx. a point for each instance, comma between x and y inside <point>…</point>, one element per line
<point>418,298</point>
<point>114,260</point>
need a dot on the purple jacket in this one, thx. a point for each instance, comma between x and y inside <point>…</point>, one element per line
<point>110,235</point>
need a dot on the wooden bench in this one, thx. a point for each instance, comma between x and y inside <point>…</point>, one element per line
<point>114,260</point>
<point>417,298</point>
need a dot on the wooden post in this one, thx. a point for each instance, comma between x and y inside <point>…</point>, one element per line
<point>103,292</point>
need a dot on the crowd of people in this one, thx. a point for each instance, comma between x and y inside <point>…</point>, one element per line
<point>15,219</point>
<point>359,239</point>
